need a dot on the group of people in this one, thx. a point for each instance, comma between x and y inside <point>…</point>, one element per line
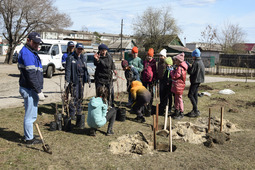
<point>170,73</point>
<point>100,108</point>
<point>76,75</point>
<point>141,77</point>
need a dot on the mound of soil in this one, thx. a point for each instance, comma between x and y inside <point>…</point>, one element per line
<point>205,87</point>
<point>197,133</point>
<point>216,137</point>
<point>131,144</point>
<point>219,99</point>
<point>252,104</point>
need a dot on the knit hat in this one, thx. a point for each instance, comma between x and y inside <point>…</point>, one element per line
<point>163,52</point>
<point>124,63</point>
<point>180,57</point>
<point>151,52</point>
<point>135,49</point>
<point>102,47</point>
<point>196,53</point>
<point>169,61</point>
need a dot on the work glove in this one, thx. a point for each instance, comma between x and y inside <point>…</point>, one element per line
<point>41,96</point>
<point>89,84</point>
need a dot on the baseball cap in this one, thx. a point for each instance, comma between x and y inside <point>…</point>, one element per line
<point>70,43</point>
<point>35,37</point>
<point>79,45</point>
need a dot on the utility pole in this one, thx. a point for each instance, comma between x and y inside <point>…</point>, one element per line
<point>121,57</point>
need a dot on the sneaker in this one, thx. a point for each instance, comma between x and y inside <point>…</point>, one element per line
<point>179,115</point>
<point>193,114</point>
<point>140,119</point>
<point>93,132</point>
<point>33,141</point>
<point>109,133</point>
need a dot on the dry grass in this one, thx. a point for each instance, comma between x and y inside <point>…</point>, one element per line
<point>77,150</point>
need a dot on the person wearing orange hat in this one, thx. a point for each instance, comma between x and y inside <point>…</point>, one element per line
<point>178,84</point>
<point>135,63</point>
<point>149,75</point>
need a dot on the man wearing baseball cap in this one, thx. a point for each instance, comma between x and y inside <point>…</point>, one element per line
<point>76,75</point>
<point>31,83</point>
<point>70,49</point>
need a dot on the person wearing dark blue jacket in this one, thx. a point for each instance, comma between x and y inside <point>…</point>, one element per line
<point>31,83</point>
<point>76,74</point>
<point>70,49</point>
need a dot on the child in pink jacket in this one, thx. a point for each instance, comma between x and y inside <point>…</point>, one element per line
<point>149,75</point>
<point>178,84</point>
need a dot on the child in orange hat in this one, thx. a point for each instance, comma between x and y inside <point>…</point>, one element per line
<point>149,74</point>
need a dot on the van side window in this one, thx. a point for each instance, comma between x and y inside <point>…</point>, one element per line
<point>64,48</point>
<point>56,49</point>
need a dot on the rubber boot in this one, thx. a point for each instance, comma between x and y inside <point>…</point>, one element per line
<point>80,121</point>
<point>67,124</point>
<point>59,121</point>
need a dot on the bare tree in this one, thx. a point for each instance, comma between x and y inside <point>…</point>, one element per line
<point>209,36</point>
<point>154,28</point>
<point>231,36</point>
<point>20,17</point>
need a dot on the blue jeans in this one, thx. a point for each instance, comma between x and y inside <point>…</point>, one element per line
<point>31,100</point>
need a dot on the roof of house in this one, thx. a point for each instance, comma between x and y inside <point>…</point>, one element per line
<point>116,44</point>
<point>249,46</point>
<point>179,48</point>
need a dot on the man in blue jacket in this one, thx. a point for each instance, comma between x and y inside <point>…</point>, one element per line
<point>31,83</point>
<point>76,74</point>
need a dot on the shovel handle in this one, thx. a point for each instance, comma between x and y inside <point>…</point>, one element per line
<point>38,129</point>
<point>166,115</point>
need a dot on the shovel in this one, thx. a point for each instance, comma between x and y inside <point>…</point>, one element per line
<point>45,147</point>
<point>164,132</point>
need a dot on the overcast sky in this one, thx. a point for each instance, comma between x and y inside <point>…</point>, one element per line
<point>192,16</point>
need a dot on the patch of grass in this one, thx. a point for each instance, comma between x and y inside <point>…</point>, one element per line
<point>77,150</point>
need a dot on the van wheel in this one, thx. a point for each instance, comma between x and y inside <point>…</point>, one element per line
<point>49,72</point>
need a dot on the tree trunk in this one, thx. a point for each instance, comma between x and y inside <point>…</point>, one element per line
<point>9,55</point>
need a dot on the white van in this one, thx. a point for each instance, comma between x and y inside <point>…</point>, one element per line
<point>50,53</point>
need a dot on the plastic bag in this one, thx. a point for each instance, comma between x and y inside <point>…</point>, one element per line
<point>226,91</point>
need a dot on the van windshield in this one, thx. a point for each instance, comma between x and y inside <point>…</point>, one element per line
<point>44,49</point>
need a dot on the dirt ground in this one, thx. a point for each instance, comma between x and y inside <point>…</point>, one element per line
<point>194,148</point>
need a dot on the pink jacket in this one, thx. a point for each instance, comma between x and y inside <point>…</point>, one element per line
<point>149,71</point>
<point>179,76</point>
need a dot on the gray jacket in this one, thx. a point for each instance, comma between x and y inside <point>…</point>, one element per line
<point>197,71</point>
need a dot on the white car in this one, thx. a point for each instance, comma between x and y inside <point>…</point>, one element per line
<point>90,65</point>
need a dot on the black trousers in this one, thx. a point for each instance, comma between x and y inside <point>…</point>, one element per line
<point>140,102</point>
<point>193,93</point>
<point>75,105</point>
<point>150,86</point>
<point>110,117</point>
<point>110,89</point>
<point>165,95</point>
